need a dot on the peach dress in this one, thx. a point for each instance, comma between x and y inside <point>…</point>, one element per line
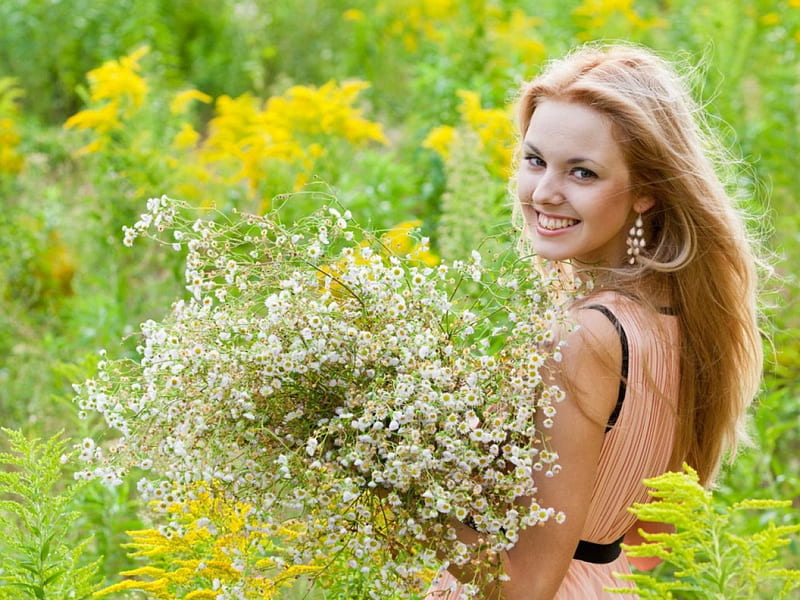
<point>637,446</point>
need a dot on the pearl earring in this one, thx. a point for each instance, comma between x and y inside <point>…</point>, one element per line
<point>635,240</point>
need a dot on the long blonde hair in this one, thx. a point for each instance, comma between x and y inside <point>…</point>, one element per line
<point>698,247</point>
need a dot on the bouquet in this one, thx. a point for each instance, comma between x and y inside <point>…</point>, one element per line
<point>362,399</point>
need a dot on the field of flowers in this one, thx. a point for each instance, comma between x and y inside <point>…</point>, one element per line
<point>399,113</point>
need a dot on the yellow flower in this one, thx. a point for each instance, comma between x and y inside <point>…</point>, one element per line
<point>355,15</point>
<point>424,256</point>
<point>201,595</point>
<point>295,571</point>
<point>246,138</point>
<point>93,147</point>
<point>187,137</point>
<point>119,79</point>
<point>514,36</point>
<point>770,19</point>
<point>495,129</point>
<point>326,110</point>
<point>398,239</point>
<point>101,120</point>
<point>412,21</point>
<point>598,14</point>
<point>10,160</point>
<point>440,139</point>
<point>181,101</point>
<point>144,572</point>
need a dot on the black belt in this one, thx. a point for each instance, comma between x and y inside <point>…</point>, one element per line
<point>599,554</point>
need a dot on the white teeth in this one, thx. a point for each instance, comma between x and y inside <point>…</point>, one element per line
<point>554,223</point>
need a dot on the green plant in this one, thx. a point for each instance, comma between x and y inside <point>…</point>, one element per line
<point>710,556</point>
<point>39,558</point>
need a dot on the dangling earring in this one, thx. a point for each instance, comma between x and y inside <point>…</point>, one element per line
<point>635,240</point>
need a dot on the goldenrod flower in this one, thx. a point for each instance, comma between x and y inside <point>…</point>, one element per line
<point>97,145</point>
<point>10,160</point>
<point>513,37</point>
<point>187,137</point>
<point>440,139</point>
<point>101,120</point>
<point>119,79</point>
<point>495,129</point>
<point>417,20</point>
<point>181,101</point>
<point>246,138</point>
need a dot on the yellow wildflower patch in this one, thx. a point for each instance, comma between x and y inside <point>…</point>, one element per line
<point>246,138</point>
<point>414,21</point>
<point>597,15</point>
<point>493,126</point>
<point>515,35</point>
<point>218,540</point>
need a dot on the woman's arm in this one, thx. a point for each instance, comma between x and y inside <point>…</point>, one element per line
<point>589,373</point>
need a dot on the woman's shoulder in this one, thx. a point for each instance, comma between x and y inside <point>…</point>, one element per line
<point>622,306</point>
<point>592,358</point>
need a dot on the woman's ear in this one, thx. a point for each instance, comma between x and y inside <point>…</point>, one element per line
<point>643,204</point>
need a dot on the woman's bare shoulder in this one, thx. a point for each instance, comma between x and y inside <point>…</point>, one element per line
<point>591,362</point>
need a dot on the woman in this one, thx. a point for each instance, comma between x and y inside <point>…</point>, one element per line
<point>615,176</point>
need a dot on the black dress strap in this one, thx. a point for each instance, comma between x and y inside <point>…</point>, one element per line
<point>599,554</point>
<point>623,340</point>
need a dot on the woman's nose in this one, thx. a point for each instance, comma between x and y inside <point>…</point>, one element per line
<point>547,190</point>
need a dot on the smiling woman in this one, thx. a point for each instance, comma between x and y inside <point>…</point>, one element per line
<point>667,356</point>
<point>574,186</point>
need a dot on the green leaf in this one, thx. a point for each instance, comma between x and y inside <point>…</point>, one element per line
<point>53,577</point>
<point>45,549</point>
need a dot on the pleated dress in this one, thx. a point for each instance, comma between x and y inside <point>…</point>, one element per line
<point>638,445</point>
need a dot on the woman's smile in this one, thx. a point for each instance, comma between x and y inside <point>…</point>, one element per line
<point>549,225</point>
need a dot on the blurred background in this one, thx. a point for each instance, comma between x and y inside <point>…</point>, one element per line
<point>401,108</point>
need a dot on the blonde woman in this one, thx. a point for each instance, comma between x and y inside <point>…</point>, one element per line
<point>616,178</point>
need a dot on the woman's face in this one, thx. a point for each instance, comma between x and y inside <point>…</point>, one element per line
<point>574,186</point>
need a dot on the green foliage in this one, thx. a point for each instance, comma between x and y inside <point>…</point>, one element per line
<point>50,45</point>
<point>710,554</point>
<point>39,558</point>
<point>10,95</point>
<point>475,205</point>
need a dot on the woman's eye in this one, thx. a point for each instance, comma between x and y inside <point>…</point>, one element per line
<point>534,160</point>
<point>583,174</point>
